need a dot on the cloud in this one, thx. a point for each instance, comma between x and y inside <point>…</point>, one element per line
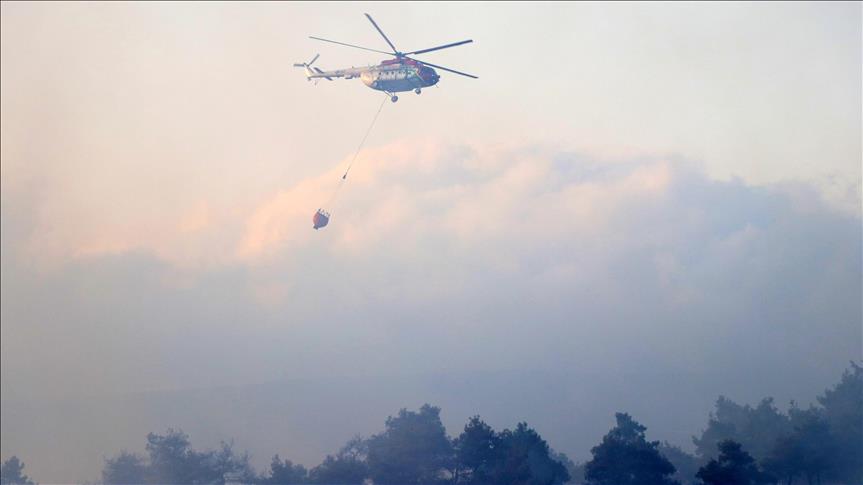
<point>465,194</point>
<point>591,249</point>
<point>422,220</point>
<point>446,257</point>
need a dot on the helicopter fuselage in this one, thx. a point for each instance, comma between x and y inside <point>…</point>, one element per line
<point>391,76</point>
<point>395,77</point>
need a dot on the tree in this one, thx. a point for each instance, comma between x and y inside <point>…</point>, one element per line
<point>685,464</point>
<point>625,457</point>
<point>171,457</point>
<point>338,470</point>
<point>786,459</point>
<point>172,460</point>
<point>12,473</point>
<point>125,468</point>
<point>285,473</point>
<point>526,459</point>
<point>413,449</point>
<point>477,452</point>
<point>348,466</point>
<point>757,429</point>
<point>733,467</point>
<point>225,461</point>
<point>575,471</point>
<point>843,412</point>
<point>519,456</point>
<point>814,441</point>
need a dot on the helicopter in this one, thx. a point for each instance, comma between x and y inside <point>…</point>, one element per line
<point>390,76</point>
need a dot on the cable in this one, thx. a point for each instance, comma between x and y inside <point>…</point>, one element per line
<point>345,176</point>
<point>359,148</point>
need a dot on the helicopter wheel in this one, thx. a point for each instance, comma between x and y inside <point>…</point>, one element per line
<point>417,90</point>
<point>394,98</point>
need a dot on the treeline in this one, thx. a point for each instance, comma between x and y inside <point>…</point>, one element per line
<point>741,445</point>
<point>413,449</point>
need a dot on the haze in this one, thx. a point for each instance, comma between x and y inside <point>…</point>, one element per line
<point>636,207</point>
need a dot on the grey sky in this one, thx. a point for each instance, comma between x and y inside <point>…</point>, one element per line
<point>669,189</point>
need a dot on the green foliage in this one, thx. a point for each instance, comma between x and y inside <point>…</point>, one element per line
<point>757,429</point>
<point>126,468</point>
<point>625,457</point>
<point>686,465</point>
<point>821,443</point>
<point>787,458</point>
<point>285,473</point>
<point>414,448</point>
<point>12,473</point>
<point>338,470</point>
<point>527,459</point>
<point>477,452</point>
<point>733,467</point>
<point>575,471</point>
<point>518,456</point>
<point>810,450</point>
<point>171,460</point>
<point>348,466</point>
<point>843,412</point>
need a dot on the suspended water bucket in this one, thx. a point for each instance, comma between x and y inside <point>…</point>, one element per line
<point>321,219</point>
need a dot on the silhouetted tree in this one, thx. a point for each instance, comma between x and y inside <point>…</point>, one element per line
<point>757,429</point>
<point>625,457</point>
<point>348,466</point>
<point>733,467</point>
<point>685,464</point>
<point>285,473</point>
<point>786,460</point>
<point>843,412</point>
<point>520,456</point>
<point>477,452</point>
<point>526,459</point>
<point>12,472</point>
<point>226,461</point>
<point>125,469</point>
<point>413,449</point>
<point>339,470</point>
<point>818,451</point>
<point>575,471</point>
<point>172,460</point>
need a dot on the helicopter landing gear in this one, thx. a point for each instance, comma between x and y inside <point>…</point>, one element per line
<point>394,98</point>
<point>418,90</point>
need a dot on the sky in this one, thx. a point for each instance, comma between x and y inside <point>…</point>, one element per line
<point>671,189</point>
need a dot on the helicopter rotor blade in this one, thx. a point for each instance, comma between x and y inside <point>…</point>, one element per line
<point>313,60</point>
<point>395,51</point>
<point>351,45</point>
<point>444,68</point>
<point>439,47</point>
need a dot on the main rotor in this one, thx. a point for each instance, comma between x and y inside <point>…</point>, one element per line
<point>404,55</point>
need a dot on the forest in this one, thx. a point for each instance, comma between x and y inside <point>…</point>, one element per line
<point>740,444</point>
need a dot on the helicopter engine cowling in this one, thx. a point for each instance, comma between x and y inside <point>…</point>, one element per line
<point>369,79</point>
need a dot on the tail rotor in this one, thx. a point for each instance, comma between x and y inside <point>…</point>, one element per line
<point>308,66</point>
